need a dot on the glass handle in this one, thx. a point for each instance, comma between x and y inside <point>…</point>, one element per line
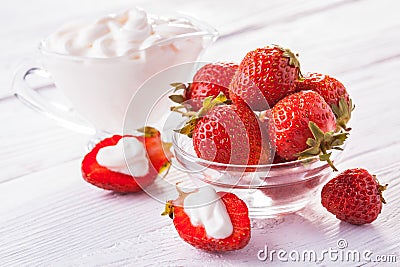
<point>67,118</point>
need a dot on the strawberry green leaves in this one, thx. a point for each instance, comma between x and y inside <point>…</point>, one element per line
<point>322,143</point>
<point>179,98</point>
<point>343,113</point>
<point>169,210</point>
<point>188,128</point>
<point>148,131</point>
<point>208,104</point>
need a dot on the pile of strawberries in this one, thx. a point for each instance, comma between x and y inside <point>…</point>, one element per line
<point>261,111</point>
<point>264,110</point>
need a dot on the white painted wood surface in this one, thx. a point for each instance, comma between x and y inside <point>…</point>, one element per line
<point>50,217</point>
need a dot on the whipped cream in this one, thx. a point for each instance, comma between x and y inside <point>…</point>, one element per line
<point>106,61</point>
<point>128,156</point>
<point>114,35</point>
<point>205,208</point>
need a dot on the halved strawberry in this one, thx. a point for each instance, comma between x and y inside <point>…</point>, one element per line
<point>197,235</point>
<point>105,178</point>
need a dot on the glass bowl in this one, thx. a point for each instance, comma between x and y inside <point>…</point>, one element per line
<point>268,190</point>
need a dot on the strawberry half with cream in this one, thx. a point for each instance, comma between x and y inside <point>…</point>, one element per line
<point>211,221</point>
<point>126,163</point>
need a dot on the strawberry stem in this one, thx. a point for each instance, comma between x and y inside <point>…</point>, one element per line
<point>381,188</point>
<point>328,159</point>
<point>293,60</point>
<point>169,209</point>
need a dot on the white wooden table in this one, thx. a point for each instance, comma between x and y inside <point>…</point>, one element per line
<point>50,217</point>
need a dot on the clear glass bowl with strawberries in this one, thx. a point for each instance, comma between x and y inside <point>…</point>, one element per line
<point>264,131</point>
<point>268,190</point>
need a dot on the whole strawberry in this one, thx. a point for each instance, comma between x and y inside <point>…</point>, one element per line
<point>354,196</point>
<point>302,125</point>
<point>103,177</point>
<point>216,225</point>
<point>265,76</point>
<point>209,80</point>
<point>334,93</point>
<point>228,134</point>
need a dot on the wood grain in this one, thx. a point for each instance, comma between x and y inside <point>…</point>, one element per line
<point>71,223</point>
<point>50,217</point>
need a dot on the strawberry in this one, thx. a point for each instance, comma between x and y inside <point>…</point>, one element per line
<point>265,76</point>
<point>278,159</point>
<point>105,178</point>
<point>334,93</point>
<point>209,80</point>
<point>354,196</point>
<point>295,119</point>
<point>197,235</point>
<point>228,134</point>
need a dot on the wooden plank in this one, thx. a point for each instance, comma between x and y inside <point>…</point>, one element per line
<point>57,209</point>
<point>333,41</point>
<point>31,142</point>
<point>71,223</point>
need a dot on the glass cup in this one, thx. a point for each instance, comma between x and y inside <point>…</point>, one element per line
<point>99,90</point>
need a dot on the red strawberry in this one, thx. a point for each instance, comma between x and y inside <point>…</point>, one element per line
<point>265,76</point>
<point>278,159</point>
<point>197,235</point>
<point>209,80</point>
<point>354,196</point>
<point>102,177</point>
<point>299,117</point>
<point>228,134</point>
<point>334,93</point>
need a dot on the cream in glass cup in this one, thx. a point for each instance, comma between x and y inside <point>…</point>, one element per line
<point>99,65</point>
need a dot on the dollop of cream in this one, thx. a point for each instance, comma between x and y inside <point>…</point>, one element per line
<point>205,208</point>
<point>114,35</point>
<point>128,156</point>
